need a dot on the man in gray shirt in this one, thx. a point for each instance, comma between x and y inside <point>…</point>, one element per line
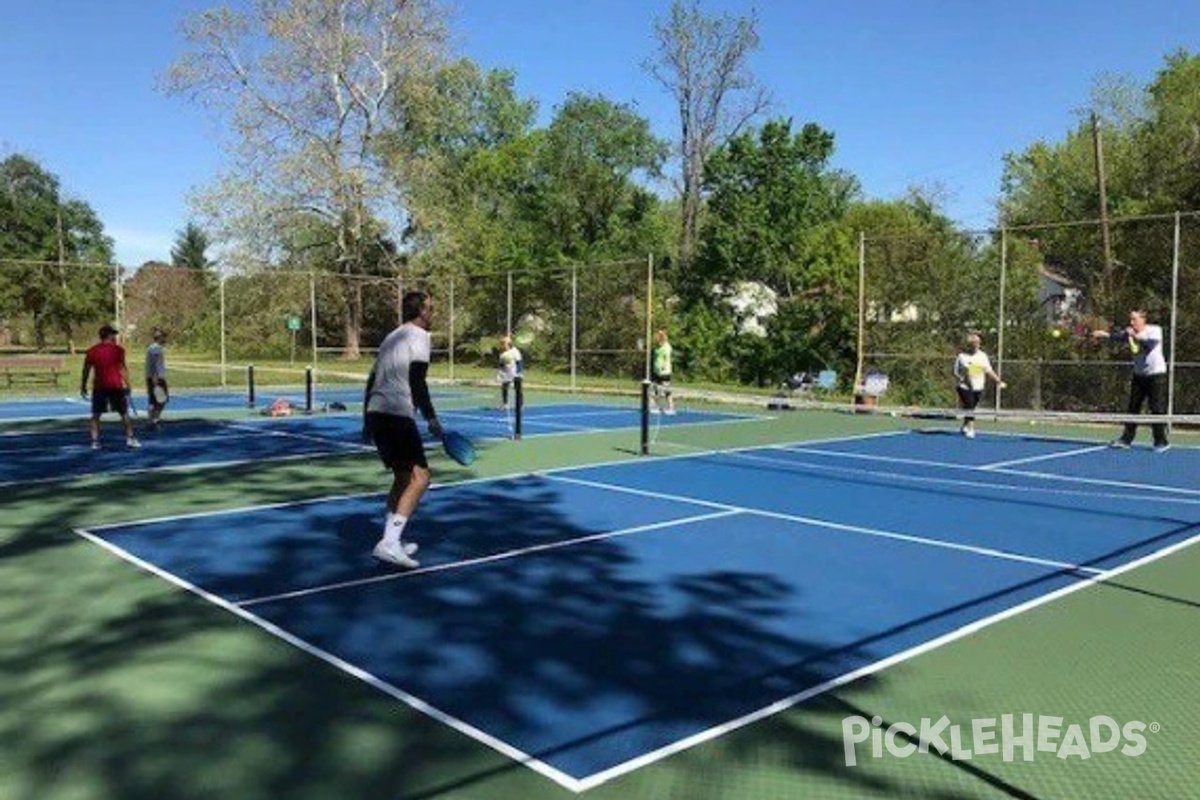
<point>156,375</point>
<point>396,391</point>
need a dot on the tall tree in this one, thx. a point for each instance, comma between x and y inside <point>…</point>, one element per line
<point>1170,137</point>
<point>463,152</point>
<point>703,62</point>
<point>307,87</point>
<point>773,220</point>
<point>593,159</point>
<point>771,192</point>
<point>191,248</point>
<point>66,282</point>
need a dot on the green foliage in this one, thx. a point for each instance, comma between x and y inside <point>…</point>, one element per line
<point>770,192</point>
<point>703,343</point>
<point>1168,139</point>
<point>588,205</point>
<point>535,201</point>
<point>38,224</point>
<point>183,302</point>
<point>774,219</point>
<point>191,248</point>
<point>1152,165</point>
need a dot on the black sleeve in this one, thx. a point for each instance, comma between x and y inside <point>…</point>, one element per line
<point>417,371</point>
<point>367,393</point>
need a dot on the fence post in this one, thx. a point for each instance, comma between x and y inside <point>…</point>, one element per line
<point>1000,313</point>
<point>649,312</point>
<point>221,292</point>
<point>862,311</point>
<point>451,337</point>
<point>574,321</point>
<point>118,299</point>
<point>312,315</point>
<point>508,324</point>
<point>1174,317</point>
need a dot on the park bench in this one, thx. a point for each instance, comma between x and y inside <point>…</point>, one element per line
<point>32,369</point>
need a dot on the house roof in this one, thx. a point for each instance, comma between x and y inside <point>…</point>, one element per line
<point>1057,277</point>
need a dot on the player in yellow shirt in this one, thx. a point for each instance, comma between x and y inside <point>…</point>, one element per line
<point>972,368</point>
<point>660,374</point>
<point>510,366</point>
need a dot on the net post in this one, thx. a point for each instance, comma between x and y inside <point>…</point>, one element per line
<point>518,405</point>
<point>308,390</point>
<point>250,386</point>
<point>645,420</point>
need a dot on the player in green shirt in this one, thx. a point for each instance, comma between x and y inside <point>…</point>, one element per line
<point>660,373</point>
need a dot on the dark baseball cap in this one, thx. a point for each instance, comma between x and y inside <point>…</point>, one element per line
<point>107,331</point>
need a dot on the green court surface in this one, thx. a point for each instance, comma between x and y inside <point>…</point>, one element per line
<point>119,685</point>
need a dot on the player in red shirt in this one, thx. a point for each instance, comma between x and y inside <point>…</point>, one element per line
<point>110,389</point>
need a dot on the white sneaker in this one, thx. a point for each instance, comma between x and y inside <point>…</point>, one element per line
<point>670,412</point>
<point>95,445</point>
<point>969,433</point>
<point>132,443</point>
<point>1119,444</point>
<point>1162,448</point>
<point>410,547</point>
<point>655,410</point>
<point>395,556</point>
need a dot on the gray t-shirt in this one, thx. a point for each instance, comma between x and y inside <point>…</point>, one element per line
<point>391,392</point>
<point>156,362</point>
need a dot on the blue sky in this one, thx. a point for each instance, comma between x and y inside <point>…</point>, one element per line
<point>917,92</point>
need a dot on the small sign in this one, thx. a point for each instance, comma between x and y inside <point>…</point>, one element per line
<point>293,323</point>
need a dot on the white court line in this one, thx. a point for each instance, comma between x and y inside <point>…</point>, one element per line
<point>596,779</point>
<point>567,781</point>
<point>605,412</point>
<point>837,526</point>
<point>501,556</point>
<point>410,700</point>
<point>116,471</point>
<point>352,449</point>
<point>450,484</point>
<point>307,437</point>
<point>1141,487</point>
<point>1188,496</point>
<point>1032,459</point>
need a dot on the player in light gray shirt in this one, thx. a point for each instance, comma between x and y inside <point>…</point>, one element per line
<point>396,391</point>
<point>156,375</point>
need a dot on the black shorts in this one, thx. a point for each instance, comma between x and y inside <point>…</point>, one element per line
<point>969,398</point>
<point>110,400</point>
<point>662,381</point>
<point>397,440</point>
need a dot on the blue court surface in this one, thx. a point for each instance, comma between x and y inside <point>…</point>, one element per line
<point>589,621</point>
<point>182,401</point>
<point>71,407</point>
<point>29,457</point>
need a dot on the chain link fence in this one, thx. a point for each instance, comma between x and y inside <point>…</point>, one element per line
<point>1034,294</point>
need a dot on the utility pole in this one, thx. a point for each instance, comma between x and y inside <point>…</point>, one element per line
<point>1108,260</point>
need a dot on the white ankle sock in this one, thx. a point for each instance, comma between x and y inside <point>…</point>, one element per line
<point>393,529</point>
